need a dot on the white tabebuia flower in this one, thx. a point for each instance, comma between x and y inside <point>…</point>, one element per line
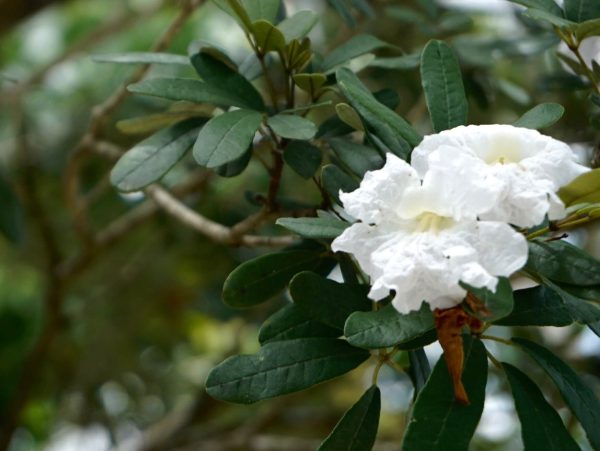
<point>527,166</point>
<point>420,238</point>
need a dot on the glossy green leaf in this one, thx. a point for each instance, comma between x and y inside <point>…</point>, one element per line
<point>335,180</point>
<point>328,301</point>
<point>582,401</point>
<point>348,115</point>
<point>226,138</point>
<point>268,37</point>
<point>587,29</point>
<point>299,25</point>
<point>549,6</point>
<point>443,86</point>
<point>560,261</point>
<point>260,279</point>
<point>419,369</point>
<point>585,188</point>
<point>303,157</point>
<point>357,45</point>
<point>292,126</point>
<point>292,322</point>
<point>357,429</point>
<point>282,367</point>
<point>357,157</point>
<point>438,422</point>
<point>582,10</point>
<point>541,426</point>
<point>235,167</point>
<point>148,161</point>
<point>392,129</point>
<point>580,310</point>
<point>499,303</point>
<point>217,73</point>
<point>11,213</point>
<point>187,89</point>
<point>537,306</point>
<point>310,83</point>
<point>314,228</point>
<point>387,327</point>
<point>142,58</point>
<point>541,116</point>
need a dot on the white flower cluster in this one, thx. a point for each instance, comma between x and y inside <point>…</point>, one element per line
<point>446,218</point>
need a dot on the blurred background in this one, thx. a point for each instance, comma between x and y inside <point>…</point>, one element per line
<point>110,320</point>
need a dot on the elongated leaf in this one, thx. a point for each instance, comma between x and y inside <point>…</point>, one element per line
<point>541,116</point>
<point>343,9</point>
<point>549,6</point>
<point>314,228</point>
<point>560,261</point>
<point>236,10</point>
<point>541,426</point>
<point>544,16</point>
<point>154,122</point>
<point>151,159</point>
<point>580,310</point>
<point>349,115</point>
<point>282,367</point>
<point>303,158</point>
<point>189,90</point>
<point>585,188</point>
<point>328,301</point>
<point>393,130</point>
<point>438,422</point>
<point>357,429</point>
<point>335,180</point>
<point>582,10</point>
<point>299,25</point>
<point>537,306</point>
<point>405,62</point>
<point>356,46</point>
<point>217,73</point>
<point>443,86</point>
<point>419,369</point>
<point>142,58</point>
<point>386,327</point>
<point>292,127</point>
<point>11,213</point>
<point>587,29</point>
<point>262,9</point>
<point>226,138</point>
<point>499,303</point>
<point>292,322</point>
<point>582,401</point>
<point>258,280</point>
<point>357,157</point>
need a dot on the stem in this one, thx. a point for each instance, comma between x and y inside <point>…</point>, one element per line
<point>574,47</point>
<point>493,359</point>
<point>498,339</point>
<point>270,85</point>
<point>382,360</point>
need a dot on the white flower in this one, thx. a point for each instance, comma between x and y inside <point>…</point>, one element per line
<point>421,238</point>
<point>527,166</point>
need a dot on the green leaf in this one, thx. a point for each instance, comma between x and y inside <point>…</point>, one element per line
<point>292,127</point>
<point>582,10</point>
<point>537,306</point>
<point>11,213</point>
<point>335,180</point>
<point>151,123</point>
<point>541,426</point>
<point>357,157</point>
<point>226,138</point>
<point>262,9</point>
<point>268,37</point>
<point>498,303</point>
<point>148,161</point>
<point>142,58</point>
<point>357,429</point>
<point>545,5</point>
<point>387,327</point>
<point>580,310</point>
<point>328,301</point>
<point>187,89</point>
<point>560,261</point>
<point>443,86</point>
<point>217,73</point>
<point>349,115</point>
<point>303,158</point>
<point>541,116</point>
<point>587,29</point>
<point>258,280</point>
<point>405,62</point>
<point>282,367</point>
<point>582,401</point>
<point>538,14</point>
<point>585,188</point>
<point>236,167</point>
<point>292,322</point>
<point>314,228</point>
<point>393,130</point>
<point>438,422</point>
<point>299,25</point>
<point>310,83</point>
<point>343,9</point>
<point>235,9</point>
<point>419,369</point>
<point>358,45</point>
